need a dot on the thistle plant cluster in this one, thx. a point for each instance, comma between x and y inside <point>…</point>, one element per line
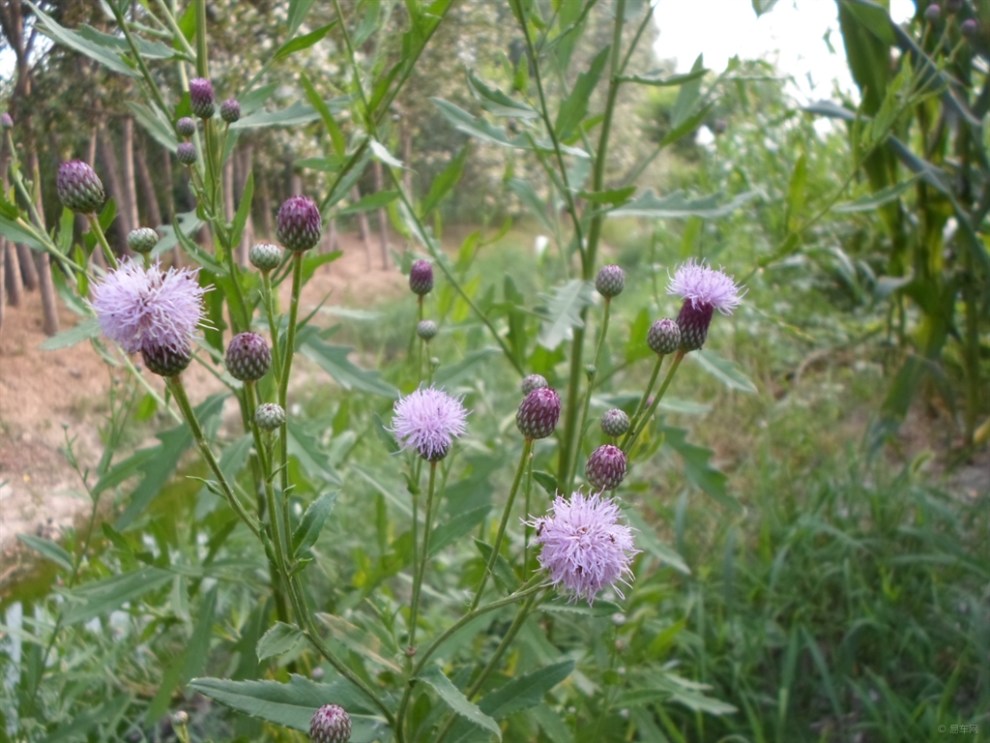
<point>561,539</point>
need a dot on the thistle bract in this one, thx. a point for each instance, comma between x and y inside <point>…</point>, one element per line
<point>614,422</point>
<point>421,277</point>
<point>149,310</point>
<point>298,224</point>
<point>265,256</point>
<point>230,110</point>
<point>201,98</point>
<point>427,330</point>
<point>186,126</point>
<point>185,153</point>
<point>428,420</point>
<point>533,382</point>
<point>585,548</point>
<point>703,290</point>
<point>248,357</point>
<point>269,416</point>
<point>538,413</point>
<point>79,187</point>
<point>606,467</point>
<point>610,281</point>
<point>664,336</point>
<point>330,724</point>
<point>142,240</point>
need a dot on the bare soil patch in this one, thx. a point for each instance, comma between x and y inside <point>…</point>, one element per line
<point>47,396</point>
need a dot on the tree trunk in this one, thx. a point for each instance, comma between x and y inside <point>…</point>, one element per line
<point>382,216</point>
<point>15,285</point>
<point>266,210</point>
<point>115,181</point>
<point>130,183</point>
<point>42,261</point>
<point>153,214</point>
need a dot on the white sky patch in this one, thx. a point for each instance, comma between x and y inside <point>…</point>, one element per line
<point>795,36</point>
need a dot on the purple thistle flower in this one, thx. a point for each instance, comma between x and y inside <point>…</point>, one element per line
<point>428,420</point>
<point>298,223</point>
<point>149,310</point>
<point>606,467</point>
<point>584,546</point>
<point>330,724</point>
<point>79,187</point>
<point>421,277</point>
<point>6,121</point>
<point>201,98</point>
<point>703,290</point>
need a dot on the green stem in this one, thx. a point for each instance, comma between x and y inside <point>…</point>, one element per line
<point>644,400</point>
<point>523,459</point>
<point>630,439</point>
<point>178,391</point>
<point>420,569</point>
<point>94,224</point>
<point>576,445</point>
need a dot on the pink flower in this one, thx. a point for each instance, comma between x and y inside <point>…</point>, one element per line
<point>703,290</point>
<point>584,546</point>
<point>146,309</point>
<point>428,420</point>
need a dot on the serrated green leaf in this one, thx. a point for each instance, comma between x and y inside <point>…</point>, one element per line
<point>101,596</point>
<point>88,328</point>
<point>104,54</point>
<point>471,125</point>
<point>727,372</point>
<point>292,705</point>
<point>282,638</point>
<point>309,528</point>
<point>455,699</point>
<point>293,115</point>
<point>360,641</point>
<point>444,182</point>
<point>574,108</point>
<point>48,549</point>
<point>525,691</point>
<point>563,312</point>
<point>376,200</point>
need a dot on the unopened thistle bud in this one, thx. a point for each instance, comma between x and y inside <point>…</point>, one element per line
<point>664,336</point>
<point>265,256</point>
<point>6,121</point>
<point>533,382</point>
<point>933,13</point>
<point>330,724</point>
<point>248,357</point>
<point>269,416</point>
<point>611,280</point>
<point>298,224</point>
<point>970,28</point>
<point>230,110</point>
<point>186,126</point>
<point>427,330</point>
<point>165,360</point>
<point>142,240</point>
<point>606,467</point>
<point>538,413</point>
<point>615,422</point>
<point>421,277</point>
<point>79,187</point>
<point>185,153</point>
<point>201,98</point>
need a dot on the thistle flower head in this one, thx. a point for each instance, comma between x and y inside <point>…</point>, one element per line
<point>585,548</point>
<point>428,420</point>
<point>330,724</point>
<point>421,277</point>
<point>142,240</point>
<point>230,110</point>
<point>615,422</point>
<point>606,467</point>
<point>149,310</point>
<point>610,281</point>
<point>664,336</point>
<point>248,357</point>
<point>703,290</point>
<point>79,187</point>
<point>185,153</point>
<point>538,413</point>
<point>201,98</point>
<point>265,256</point>
<point>298,223</point>
<point>533,382</point>
<point>6,121</point>
<point>186,126</point>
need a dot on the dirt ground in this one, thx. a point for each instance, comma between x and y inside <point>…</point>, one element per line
<point>48,397</point>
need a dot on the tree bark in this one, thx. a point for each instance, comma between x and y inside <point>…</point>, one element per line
<point>153,214</point>
<point>115,181</point>
<point>15,285</point>
<point>130,183</point>
<point>49,305</point>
